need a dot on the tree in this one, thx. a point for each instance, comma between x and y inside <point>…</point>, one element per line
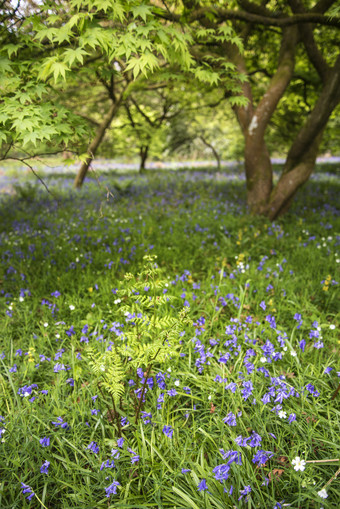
<point>117,40</point>
<point>290,50</point>
<point>286,36</point>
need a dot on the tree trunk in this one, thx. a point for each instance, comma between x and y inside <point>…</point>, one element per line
<point>92,149</point>
<point>262,198</point>
<point>214,151</point>
<point>144,149</point>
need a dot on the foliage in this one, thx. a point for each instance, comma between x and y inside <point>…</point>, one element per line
<point>46,46</point>
<point>62,271</point>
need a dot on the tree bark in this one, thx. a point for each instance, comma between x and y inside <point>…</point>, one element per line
<point>144,150</point>
<point>254,121</point>
<point>93,147</point>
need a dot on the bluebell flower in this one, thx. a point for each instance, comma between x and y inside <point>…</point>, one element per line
<point>221,472</point>
<point>202,485</point>
<point>112,489</point>
<point>302,344</point>
<point>60,422</point>
<point>245,492</point>
<point>124,421</point>
<point>261,457</point>
<point>107,464</point>
<point>120,442</point>
<point>168,431</point>
<point>27,489</point>
<point>185,470</point>
<point>44,442</point>
<point>44,467</point>
<point>230,419</point>
<point>172,392</point>
<point>93,447</point>
<point>135,459</point>
<point>291,418</point>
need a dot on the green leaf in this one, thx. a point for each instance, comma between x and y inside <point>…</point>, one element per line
<point>142,11</point>
<point>59,69</point>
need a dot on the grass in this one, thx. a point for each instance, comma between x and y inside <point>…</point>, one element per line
<point>242,280</point>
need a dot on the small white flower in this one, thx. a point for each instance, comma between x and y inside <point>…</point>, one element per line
<point>299,464</point>
<point>293,353</point>
<point>323,493</point>
<point>57,336</point>
<point>285,349</point>
<point>332,326</point>
<point>72,308</point>
<point>21,299</point>
<point>169,370</point>
<point>209,397</point>
<point>263,359</point>
<point>282,414</point>
<point>46,324</point>
<point>77,259</point>
<point>177,382</point>
<point>117,301</point>
<point>102,367</point>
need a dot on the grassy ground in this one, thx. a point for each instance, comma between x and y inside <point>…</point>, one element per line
<point>111,397</point>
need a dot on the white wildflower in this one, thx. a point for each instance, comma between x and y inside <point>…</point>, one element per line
<point>323,493</point>
<point>299,464</point>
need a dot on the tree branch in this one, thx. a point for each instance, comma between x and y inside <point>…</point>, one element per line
<point>278,84</point>
<point>313,52</point>
<point>229,14</point>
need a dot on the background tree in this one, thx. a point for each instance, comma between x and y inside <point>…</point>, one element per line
<point>285,35</point>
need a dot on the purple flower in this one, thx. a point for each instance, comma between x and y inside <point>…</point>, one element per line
<point>263,305</point>
<point>202,485</point>
<point>246,490</point>
<point>120,442</point>
<point>234,456</point>
<point>185,470</point>
<point>112,489</point>
<point>261,457</point>
<point>172,392</point>
<point>168,431</point>
<point>45,442</point>
<point>328,370</point>
<point>302,344</point>
<point>135,459</point>
<point>44,467</point>
<point>291,418</point>
<point>107,464</point>
<point>60,422</point>
<point>221,472</point>
<point>93,447</point>
<point>27,489</point>
<point>146,417</point>
<point>230,419</point>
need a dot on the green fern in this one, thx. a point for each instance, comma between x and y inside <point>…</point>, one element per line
<point>151,334</point>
